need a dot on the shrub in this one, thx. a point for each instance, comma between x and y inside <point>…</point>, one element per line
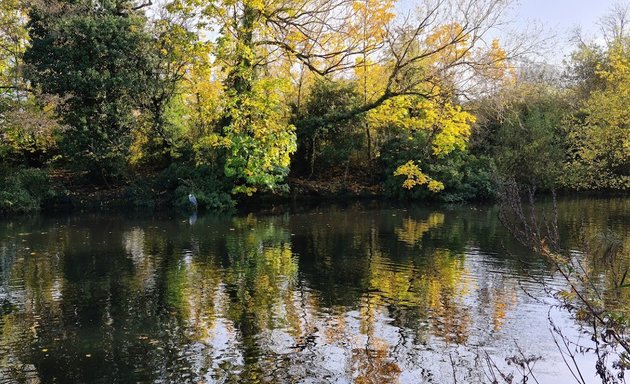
<point>465,176</point>
<point>23,190</point>
<point>206,183</point>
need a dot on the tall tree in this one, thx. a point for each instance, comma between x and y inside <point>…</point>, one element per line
<point>27,122</point>
<point>599,133</point>
<point>372,19</point>
<point>443,41</point>
<point>13,38</point>
<point>95,55</point>
<point>176,57</point>
<point>521,129</point>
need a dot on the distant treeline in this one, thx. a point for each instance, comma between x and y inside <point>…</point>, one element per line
<point>229,98</point>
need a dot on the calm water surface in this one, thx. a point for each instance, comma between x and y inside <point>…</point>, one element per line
<point>337,294</point>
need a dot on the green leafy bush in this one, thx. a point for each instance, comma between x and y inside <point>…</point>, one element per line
<point>325,144</point>
<point>465,176</point>
<point>207,184</point>
<point>172,186</point>
<point>23,190</point>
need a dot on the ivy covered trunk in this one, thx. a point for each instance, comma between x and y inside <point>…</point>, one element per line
<point>254,130</point>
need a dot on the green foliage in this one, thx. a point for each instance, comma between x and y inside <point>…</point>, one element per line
<point>206,183</point>
<point>259,139</point>
<point>582,68</point>
<point>23,190</point>
<point>28,130</point>
<point>251,135</point>
<point>466,177</point>
<point>165,109</point>
<point>463,175</point>
<point>325,144</point>
<point>13,39</point>
<point>170,188</point>
<point>435,127</point>
<point>599,132</point>
<point>521,128</point>
<point>177,59</point>
<point>96,58</point>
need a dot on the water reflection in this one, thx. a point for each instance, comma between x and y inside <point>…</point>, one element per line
<point>351,294</point>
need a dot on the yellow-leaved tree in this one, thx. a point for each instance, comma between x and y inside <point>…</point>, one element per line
<point>599,134</point>
<point>259,44</point>
<point>442,127</point>
<point>371,21</point>
<point>429,114</point>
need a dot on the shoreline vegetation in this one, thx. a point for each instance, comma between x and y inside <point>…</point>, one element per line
<point>89,198</point>
<point>132,103</point>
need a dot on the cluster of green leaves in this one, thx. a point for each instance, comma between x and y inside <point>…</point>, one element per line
<point>598,131</point>
<point>23,190</point>
<point>462,176</point>
<point>95,55</point>
<point>258,139</point>
<point>571,134</point>
<point>171,187</point>
<point>322,145</point>
<point>521,130</point>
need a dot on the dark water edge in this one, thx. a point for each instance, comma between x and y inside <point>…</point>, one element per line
<point>261,203</point>
<point>337,292</point>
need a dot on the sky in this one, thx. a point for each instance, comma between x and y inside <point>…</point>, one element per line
<point>564,15</point>
<point>559,18</point>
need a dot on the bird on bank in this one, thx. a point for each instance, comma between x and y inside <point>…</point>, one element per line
<point>193,200</point>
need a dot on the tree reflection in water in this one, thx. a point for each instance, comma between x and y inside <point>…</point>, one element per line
<point>352,294</point>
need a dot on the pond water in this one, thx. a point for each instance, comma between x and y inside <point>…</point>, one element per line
<point>362,292</point>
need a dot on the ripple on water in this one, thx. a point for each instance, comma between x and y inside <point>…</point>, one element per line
<point>332,296</point>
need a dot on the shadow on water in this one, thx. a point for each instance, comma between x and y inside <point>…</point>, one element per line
<point>356,293</point>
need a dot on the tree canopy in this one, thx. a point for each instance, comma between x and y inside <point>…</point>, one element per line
<point>228,99</point>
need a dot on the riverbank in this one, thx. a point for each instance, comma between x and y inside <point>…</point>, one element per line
<point>62,191</point>
<point>300,191</point>
<point>86,197</point>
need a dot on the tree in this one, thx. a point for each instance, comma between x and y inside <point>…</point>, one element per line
<point>615,25</point>
<point>176,58</point>
<point>599,133</point>
<point>372,17</point>
<point>28,130</point>
<point>13,38</point>
<point>522,129</point>
<point>94,54</point>
<point>441,44</point>
<point>12,43</point>
<point>331,144</point>
<point>442,47</point>
<point>427,130</point>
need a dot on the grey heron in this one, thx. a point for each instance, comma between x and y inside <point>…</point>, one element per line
<point>192,199</point>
